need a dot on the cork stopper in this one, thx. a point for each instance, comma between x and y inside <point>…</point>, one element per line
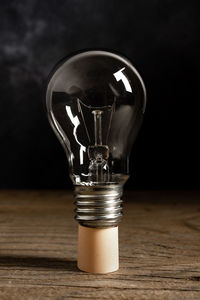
<point>98,249</point>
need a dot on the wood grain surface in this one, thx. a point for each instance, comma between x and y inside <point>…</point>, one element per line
<point>159,248</point>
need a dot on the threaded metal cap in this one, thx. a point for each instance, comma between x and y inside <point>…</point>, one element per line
<point>98,206</point>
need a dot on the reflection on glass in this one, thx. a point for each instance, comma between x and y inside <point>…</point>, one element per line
<point>119,75</point>
<point>75,122</point>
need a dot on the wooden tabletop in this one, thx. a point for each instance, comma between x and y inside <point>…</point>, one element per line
<point>159,248</point>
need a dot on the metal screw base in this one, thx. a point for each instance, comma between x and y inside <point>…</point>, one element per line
<point>98,206</point>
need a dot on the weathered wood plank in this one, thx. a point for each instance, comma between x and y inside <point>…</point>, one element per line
<point>159,248</point>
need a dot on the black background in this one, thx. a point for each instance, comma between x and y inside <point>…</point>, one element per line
<point>162,40</point>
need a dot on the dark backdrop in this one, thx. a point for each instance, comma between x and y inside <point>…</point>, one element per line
<point>162,40</point>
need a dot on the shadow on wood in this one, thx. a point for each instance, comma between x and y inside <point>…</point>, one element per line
<point>38,262</point>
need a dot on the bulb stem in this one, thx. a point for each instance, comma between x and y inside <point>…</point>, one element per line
<point>97,127</point>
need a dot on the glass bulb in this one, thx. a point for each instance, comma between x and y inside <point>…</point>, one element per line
<point>95,102</point>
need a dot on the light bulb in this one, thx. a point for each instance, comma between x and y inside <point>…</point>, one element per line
<point>95,102</point>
